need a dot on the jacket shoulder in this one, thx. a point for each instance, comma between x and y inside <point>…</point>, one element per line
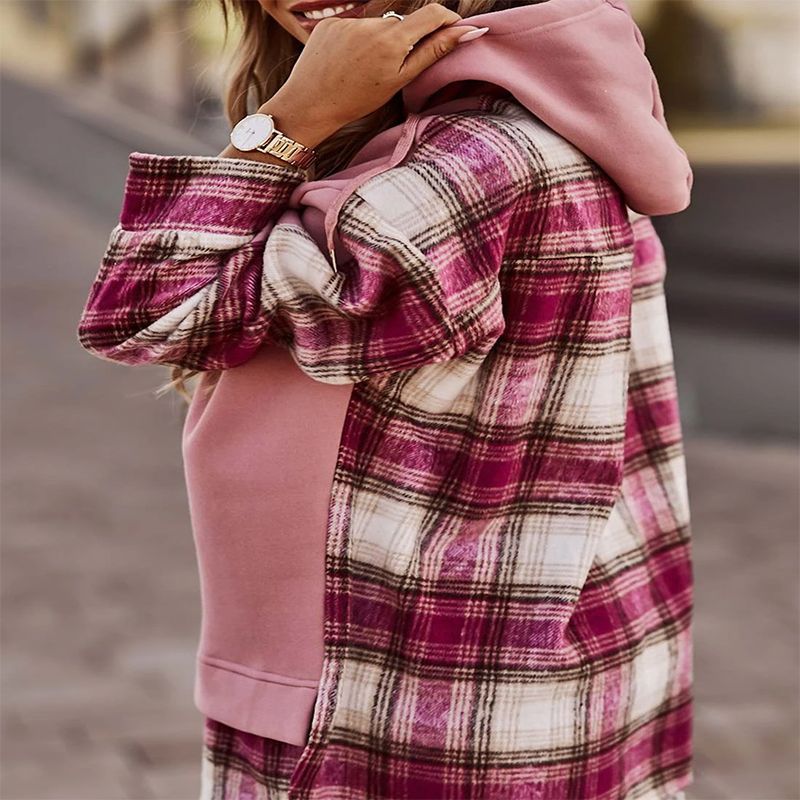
<point>509,134</point>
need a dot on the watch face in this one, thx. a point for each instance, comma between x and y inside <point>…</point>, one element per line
<point>252,131</point>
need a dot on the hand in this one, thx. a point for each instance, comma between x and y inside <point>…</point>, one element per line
<point>351,67</point>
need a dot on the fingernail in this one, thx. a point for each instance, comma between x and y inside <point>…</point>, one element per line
<point>470,35</point>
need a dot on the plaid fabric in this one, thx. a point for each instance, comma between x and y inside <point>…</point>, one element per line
<point>508,575</point>
<point>243,765</point>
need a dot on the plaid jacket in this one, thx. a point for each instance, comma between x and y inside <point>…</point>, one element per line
<point>508,575</point>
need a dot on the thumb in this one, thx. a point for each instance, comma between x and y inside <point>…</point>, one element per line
<point>433,48</point>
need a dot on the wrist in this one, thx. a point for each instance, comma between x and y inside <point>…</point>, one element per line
<point>295,120</point>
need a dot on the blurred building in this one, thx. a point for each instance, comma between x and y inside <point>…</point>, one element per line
<point>160,56</point>
<point>734,58</point>
<point>729,74</point>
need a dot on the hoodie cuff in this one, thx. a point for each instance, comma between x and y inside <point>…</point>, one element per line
<point>268,705</point>
<point>204,193</point>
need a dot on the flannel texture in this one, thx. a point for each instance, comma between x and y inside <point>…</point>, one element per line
<point>508,578</point>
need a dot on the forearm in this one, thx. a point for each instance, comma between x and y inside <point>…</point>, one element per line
<point>292,119</point>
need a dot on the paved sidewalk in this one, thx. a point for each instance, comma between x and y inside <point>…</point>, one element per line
<point>100,595</point>
<point>100,587</point>
<point>745,548</point>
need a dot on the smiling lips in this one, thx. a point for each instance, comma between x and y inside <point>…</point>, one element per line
<point>309,13</point>
<point>329,11</point>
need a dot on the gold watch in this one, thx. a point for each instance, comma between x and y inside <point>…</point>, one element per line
<point>258,132</point>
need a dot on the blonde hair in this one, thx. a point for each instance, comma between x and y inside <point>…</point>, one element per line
<point>261,64</point>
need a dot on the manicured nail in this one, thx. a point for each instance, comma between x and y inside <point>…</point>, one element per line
<point>470,35</point>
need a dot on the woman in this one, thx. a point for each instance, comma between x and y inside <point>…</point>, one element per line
<point>434,459</point>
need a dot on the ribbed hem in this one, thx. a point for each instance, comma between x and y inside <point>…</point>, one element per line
<point>263,703</point>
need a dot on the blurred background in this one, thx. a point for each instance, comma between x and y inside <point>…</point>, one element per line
<point>100,607</point>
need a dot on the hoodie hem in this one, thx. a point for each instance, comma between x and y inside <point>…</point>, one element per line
<point>266,704</point>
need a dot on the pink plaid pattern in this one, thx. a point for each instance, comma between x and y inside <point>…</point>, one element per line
<point>508,575</point>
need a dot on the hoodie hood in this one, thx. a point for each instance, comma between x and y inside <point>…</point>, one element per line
<point>580,67</point>
<point>577,65</point>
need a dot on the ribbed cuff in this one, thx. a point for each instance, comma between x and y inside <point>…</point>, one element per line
<point>263,703</point>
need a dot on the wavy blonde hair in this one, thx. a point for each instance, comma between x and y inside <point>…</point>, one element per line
<point>262,62</point>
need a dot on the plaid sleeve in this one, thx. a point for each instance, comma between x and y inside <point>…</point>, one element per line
<point>204,194</point>
<point>167,288</point>
<point>204,267</point>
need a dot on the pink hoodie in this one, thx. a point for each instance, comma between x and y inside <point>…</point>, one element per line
<point>260,451</point>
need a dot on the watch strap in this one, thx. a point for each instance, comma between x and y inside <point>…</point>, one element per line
<point>287,149</point>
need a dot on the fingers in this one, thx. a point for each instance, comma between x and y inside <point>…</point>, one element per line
<point>435,47</point>
<point>424,21</point>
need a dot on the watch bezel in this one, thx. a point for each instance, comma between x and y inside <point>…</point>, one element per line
<point>248,121</point>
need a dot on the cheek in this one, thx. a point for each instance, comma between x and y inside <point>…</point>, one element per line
<point>272,8</point>
<point>278,10</point>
